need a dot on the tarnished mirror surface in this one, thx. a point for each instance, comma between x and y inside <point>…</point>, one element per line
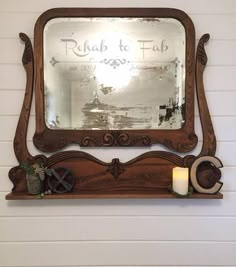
<point>114,73</point>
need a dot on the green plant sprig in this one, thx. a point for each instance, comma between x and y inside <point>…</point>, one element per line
<point>190,192</point>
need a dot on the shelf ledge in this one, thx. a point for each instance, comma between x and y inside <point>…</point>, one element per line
<point>76,195</point>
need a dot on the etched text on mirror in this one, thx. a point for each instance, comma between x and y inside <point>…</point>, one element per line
<point>114,73</point>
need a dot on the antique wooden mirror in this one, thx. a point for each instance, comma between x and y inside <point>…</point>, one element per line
<point>116,77</point>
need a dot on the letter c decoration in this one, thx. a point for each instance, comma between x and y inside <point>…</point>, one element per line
<point>194,175</point>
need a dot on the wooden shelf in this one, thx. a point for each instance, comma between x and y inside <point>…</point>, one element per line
<point>75,195</point>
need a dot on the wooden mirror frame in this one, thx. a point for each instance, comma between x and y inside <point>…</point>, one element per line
<point>50,140</point>
<point>146,176</point>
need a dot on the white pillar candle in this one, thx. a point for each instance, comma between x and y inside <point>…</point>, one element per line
<point>180,180</point>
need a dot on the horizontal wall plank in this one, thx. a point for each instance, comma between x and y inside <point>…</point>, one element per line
<point>129,266</point>
<point>7,74</point>
<point>118,229</point>
<point>119,207</point>
<point>9,124</point>
<point>11,51</point>
<point>220,103</point>
<point>117,253</point>
<point>212,77</point>
<point>200,6</point>
<point>220,52</point>
<point>8,155</point>
<point>17,22</point>
<point>5,183</point>
<point>219,78</point>
<point>229,179</point>
<point>224,127</point>
<point>219,26</point>
<point>12,102</point>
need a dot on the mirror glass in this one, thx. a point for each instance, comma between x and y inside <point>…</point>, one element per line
<point>114,73</point>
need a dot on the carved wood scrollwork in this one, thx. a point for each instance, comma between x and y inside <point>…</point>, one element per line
<point>116,138</point>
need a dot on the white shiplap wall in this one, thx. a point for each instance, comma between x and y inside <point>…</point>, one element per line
<point>121,232</point>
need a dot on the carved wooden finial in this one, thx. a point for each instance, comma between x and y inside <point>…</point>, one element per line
<point>201,53</point>
<point>28,52</point>
<point>116,168</point>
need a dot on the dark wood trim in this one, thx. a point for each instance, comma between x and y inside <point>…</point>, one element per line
<point>149,172</point>
<point>20,142</point>
<point>209,139</point>
<point>161,195</point>
<point>181,140</point>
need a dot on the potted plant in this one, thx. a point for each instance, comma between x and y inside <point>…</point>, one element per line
<point>35,175</point>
